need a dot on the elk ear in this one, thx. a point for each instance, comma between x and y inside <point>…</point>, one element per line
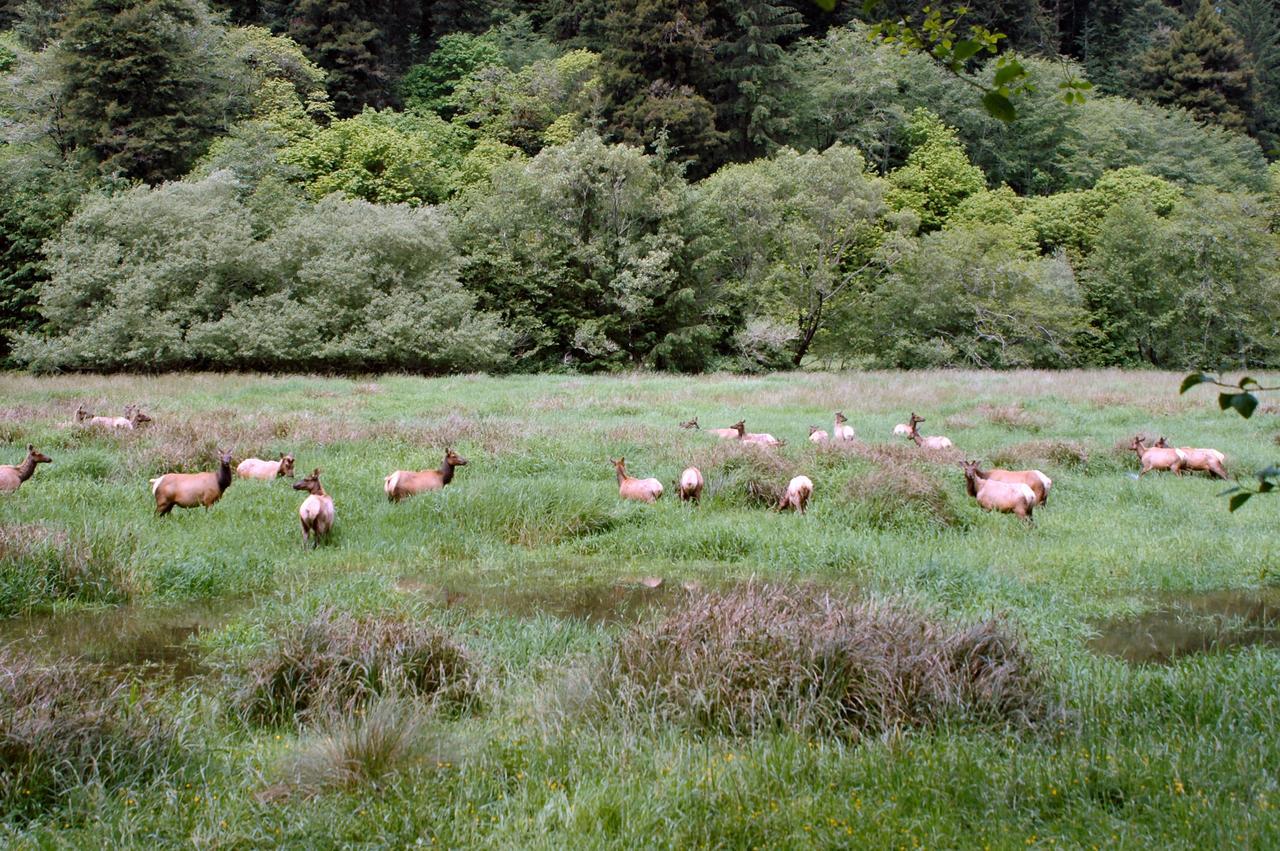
<point>31,447</point>
<point>316,472</point>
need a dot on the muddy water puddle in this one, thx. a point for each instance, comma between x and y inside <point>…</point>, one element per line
<point>624,601</point>
<point>1184,625</point>
<point>152,642</point>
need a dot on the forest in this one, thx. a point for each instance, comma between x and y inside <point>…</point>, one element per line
<point>596,185</point>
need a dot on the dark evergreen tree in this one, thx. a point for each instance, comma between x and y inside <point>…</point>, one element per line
<point>751,107</point>
<point>1116,35</point>
<point>1258,24</point>
<point>137,93</point>
<point>1206,70</point>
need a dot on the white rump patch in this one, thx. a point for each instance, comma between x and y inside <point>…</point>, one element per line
<point>391,482</point>
<point>155,483</point>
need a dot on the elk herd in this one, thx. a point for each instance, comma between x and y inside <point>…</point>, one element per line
<point>1016,492</point>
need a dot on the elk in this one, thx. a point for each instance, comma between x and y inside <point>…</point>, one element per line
<point>256,468</point>
<point>762,438</point>
<point>1209,461</point>
<point>687,424</point>
<point>818,435</point>
<point>187,490</point>
<point>1008,497</point>
<point>935,441</point>
<point>799,489</point>
<point>13,475</point>
<point>1154,458</point>
<point>842,431</point>
<point>641,490</point>
<point>689,485</point>
<point>730,433</point>
<point>316,511</point>
<point>403,484</point>
<point>1034,479</point>
<point>902,429</point>
<point>133,417</point>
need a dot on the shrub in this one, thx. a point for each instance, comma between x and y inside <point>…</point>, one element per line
<point>762,657</point>
<point>333,665</point>
<point>64,725</point>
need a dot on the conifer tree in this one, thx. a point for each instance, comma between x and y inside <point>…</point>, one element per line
<point>751,109</point>
<point>1204,69</point>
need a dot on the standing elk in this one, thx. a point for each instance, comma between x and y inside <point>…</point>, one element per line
<point>187,490</point>
<point>403,484</point>
<point>13,475</point>
<point>629,487</point>
<point>316,511</point>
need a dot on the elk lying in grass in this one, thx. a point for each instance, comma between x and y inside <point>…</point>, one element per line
<point>817,435</point>
<point>13,475</point>
<point>641,490</point>
<point>316,511</point>
<point>761,438</point>
<point>902,429</point>
<point>689,485</point>
<point>1034,479</point>
<point>1154,458</point>
<point>256,468</point>
<point>730,433</point>
<point>687,424</point>
<point>403,484</point>
<point>133,418</point>
<point>799,489</point>
<point>1008,497</point>
<point>1209,461</point>
<point>841,430</point>
<point>187,490</point>
<point>935,441</point>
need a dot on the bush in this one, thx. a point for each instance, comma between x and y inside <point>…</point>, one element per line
<point>333,665</point>
<point>762,657</point>
<point>63,726</point>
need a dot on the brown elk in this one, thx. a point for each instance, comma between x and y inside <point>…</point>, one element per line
<point>761,438</point>
<point>1039,483</point>
<point>1008,497</point>
<point>133,418</point>
<point>316,511</point>
<point>1153,458</point>
<point>256,468</point>
<point>13,475</point>
<point>841,431</point>
<point>689,485</point>
<point>629,487</point>
<point>935,441</point>
<point>817,435</point>
<point>187,490</point>
<point>403,484</point>
<point>1209,461</point>
<point>799,489</point>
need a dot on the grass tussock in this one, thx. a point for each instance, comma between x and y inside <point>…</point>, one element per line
<point>370,749</point>
<point>334,665</point>
<point>40,565</point>
<point>744,474</point>
<point>1062,453</point>
<point>64,725</point>
<point>1013,417</point>
<point>761,657</point>
<point>897,496</point>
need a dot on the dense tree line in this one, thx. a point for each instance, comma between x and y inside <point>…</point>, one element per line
<point>581,184</point>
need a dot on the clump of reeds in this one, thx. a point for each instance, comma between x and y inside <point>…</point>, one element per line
<point>761,657</point>
<point>40,565</point>
<point>745,473</point>
<point>898,495</point>
<point>333,665</point>
<point>1063,453</point>
<point>64,725</point>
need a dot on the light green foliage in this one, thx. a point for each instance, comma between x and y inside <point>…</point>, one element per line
<point>784,239</point>
<point>427,87</point>
<point>521,108</point>
<point>1073,220</point>
<point>970,296</point>
<point>382,157</point>
<point>1000,207</point>
<point>579,250</point>
<point>174,277</point>
<point>480,163</point>
<point>275,80</point>
<point>937,174</point>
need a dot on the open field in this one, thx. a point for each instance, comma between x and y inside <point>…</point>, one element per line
<point>484,633</point>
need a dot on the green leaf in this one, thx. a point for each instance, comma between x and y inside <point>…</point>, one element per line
<point>999,106</point>
<point>1194,379</point>
<point>1225,400</point>
<point>1238,500</point>
<point>1244,403</point>
<point>1246,381</point>
<point>1006,74</point>
<point>826,5</point>
<point>965,50</point>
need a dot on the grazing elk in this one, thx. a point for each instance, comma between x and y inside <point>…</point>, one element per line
<point>316,511</point>
<point>629,487</point>
<point>1008,497</point>
<point>256,468</point>
<point>1034,479</point>
<point>403,484</point>
<point>799,489</point>
<point>689,485</point>
<point>935,441</point>
<point>187,490</point>
<point>13,475</point>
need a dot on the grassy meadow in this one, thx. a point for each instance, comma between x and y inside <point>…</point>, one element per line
<point>487,666</point>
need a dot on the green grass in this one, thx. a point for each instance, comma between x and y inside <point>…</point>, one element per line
<point>526,561</point>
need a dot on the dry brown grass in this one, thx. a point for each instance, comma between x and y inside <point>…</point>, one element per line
<point>1063,453</point>
<point>761,657</point>
<point>744,473</point>
<point>897,495</point>
<point>333,665</point>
